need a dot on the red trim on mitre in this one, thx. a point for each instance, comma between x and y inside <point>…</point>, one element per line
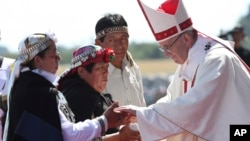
<point>170,31</point>
<point>161,35</point>
<point>173,30</point>
<point>166,33</point>
<point>186,24</point>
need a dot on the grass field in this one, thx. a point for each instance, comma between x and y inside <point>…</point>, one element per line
<point>147,66</point>
<point>156,66</point>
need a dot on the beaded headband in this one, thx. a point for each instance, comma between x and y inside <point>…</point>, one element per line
<point>89,54</point>
<point>110,30</point>
<point>95,55</point>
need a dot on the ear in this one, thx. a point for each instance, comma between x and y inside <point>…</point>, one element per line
<point>37,61</point>
<point>188,39</point>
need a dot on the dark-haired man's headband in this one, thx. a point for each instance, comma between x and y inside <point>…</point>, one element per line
<point>105,31</point>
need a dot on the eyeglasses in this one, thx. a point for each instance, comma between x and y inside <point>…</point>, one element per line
<point>167,48</point>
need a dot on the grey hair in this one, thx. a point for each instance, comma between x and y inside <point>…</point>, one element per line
<point>193,33</point>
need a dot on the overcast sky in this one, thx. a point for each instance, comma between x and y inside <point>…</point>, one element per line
<point>74,21</point>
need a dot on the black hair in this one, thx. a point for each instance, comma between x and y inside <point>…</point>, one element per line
<point>41,54</point>
<point>89,67</point>
<point>109,20</point>
<point>74,74</point>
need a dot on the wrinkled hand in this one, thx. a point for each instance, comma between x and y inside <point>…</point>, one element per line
<point>114,118</point>
<point>129,109</point>
<point>127,134</point>
<point>128,119</point>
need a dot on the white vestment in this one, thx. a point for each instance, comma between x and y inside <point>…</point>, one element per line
<point>217,96</point>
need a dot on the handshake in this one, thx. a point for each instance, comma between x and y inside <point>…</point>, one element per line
<point>123,117</point>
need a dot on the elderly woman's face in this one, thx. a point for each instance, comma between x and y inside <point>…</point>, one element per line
<point>98,77</point>
<point>50,61</point>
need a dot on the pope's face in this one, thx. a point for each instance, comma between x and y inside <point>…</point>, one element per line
<point>176,48</point>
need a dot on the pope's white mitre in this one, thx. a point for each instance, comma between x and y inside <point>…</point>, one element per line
<point>166,18</point>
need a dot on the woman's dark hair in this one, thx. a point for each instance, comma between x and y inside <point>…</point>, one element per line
<point>73,74</point>
<point>89,67</point>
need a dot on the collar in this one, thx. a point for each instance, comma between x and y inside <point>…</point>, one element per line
<point>47,75</point>
<point>111,68</point>
<point>195,56</point>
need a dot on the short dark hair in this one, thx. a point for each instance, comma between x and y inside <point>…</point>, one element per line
<point>109,20</point>
<point>41,54</point>
<point>237,28</point>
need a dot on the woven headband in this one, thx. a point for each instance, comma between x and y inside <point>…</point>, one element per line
<point>110,30</point>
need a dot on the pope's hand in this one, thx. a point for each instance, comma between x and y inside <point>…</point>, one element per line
<point>130,109</point>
